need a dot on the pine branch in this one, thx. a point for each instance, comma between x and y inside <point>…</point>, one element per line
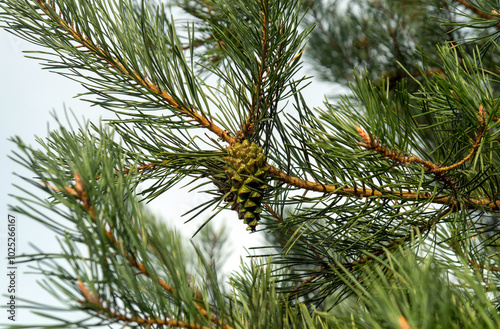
<point>489,268</point>
<point>331,40</point>
<point>475,147</point>
<point>372,143</point>
<point>80,193</point>
<point>383,194</point>
<point>438,171</point>
<point>143,81</point>
<point>478,12</point>
<point>262,66</point>
<point>427,166</point>
<point>93,301</point>
<point>421,230</point>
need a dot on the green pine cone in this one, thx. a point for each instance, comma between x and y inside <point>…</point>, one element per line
<point>247,172</point>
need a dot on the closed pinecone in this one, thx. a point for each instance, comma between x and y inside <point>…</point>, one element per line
<point>247,172</point>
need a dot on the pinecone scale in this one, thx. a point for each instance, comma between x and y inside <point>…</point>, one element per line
<point>247,172</point>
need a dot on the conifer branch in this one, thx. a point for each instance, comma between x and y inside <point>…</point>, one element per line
<point>478,12</point>
<point>342,240</point>
<point>477,143</point>
<point>79,193</point>
<point>263,66</point>
<point>143,81</point>
<point>489,268</point>
<point>335,46</point>
<point>425,227</point>
<point>91,300</point>
<point>373,143</point>
<point>369,193</point>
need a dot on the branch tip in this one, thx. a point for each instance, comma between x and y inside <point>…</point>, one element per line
<point>89,296</point>
<point>364,136</point>
<point>482,115</point>
<point>403,323</point>
<point>79,186</point>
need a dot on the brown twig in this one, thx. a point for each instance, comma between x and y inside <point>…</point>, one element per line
<point>403,323</point>
<point>477,143</point>
<point>477,265</point>
<point>369,193</point>
<point>143,81</point>
<point>477,11</point>
<point>80,193</point>
<point>373,143</point>
<point>278,218</point>
<point>94,301</point>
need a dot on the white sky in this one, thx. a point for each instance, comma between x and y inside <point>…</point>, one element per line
<point>28,95</point>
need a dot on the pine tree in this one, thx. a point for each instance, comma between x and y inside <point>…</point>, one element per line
<point>379,208</point>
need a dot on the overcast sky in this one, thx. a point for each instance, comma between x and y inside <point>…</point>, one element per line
<point>28,96</point>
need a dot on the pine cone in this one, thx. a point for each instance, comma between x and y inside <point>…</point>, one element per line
<point>247,172</point>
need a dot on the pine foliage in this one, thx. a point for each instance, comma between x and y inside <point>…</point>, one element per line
<point>379,209</point>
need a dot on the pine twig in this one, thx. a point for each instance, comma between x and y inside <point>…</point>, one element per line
<point>479,12</point>
<point>369,193</point>
<point>79,193</point>
<point>278,218</point>
<point>477,143</point>
<point>94,301</point>
<point>370,142</point>
<point>489,268</point>
<point>263,70</point>
<point>96,50</point>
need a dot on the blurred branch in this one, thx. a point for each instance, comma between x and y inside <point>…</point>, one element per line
<point>331,41</point>
<point>478,12</point>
